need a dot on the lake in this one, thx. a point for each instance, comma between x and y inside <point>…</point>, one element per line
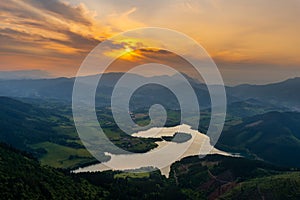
<point>161,157</point>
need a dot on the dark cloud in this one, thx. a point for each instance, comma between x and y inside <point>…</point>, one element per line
<point>63,10</point>
<point>75,40</point>
<point>10,9</point>
<point>46,27</point>
<point>156,51</point>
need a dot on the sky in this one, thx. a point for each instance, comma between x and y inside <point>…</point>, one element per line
<point>250,41</point>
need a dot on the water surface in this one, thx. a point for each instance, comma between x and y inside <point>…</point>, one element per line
<point>161,157</point>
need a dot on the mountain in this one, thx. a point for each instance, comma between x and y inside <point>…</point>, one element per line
<point>59,88</point>
<point>284,93</point>
<point>251,107</point>
<point>273,137</point>
<point>22,177</point>
<point>62,88</point>
<point>24,74</point>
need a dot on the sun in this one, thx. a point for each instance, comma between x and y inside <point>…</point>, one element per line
<point>128,49</point>
<point>129,54</point>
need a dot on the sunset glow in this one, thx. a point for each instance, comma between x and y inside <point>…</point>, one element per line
<point>240,35</point>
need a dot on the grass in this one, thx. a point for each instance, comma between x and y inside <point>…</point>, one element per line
<point>61,156</point>
<point>68,130</point>
<point>143,122</point>
<point>113,135</point>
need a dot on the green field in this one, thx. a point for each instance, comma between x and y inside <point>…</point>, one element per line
<point>61,156</point>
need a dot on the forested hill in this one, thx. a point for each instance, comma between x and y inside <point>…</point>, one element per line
<point>22,177</point>
<point>272,136</point>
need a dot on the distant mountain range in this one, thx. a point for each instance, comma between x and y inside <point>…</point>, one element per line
<point>24,74</point>
<point>282,94</point>
<point>61,88</point>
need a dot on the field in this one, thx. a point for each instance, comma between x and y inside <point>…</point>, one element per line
<point>59,156</point>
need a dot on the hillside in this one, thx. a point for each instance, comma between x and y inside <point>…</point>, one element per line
<point>273,137</point>
<point>252,107</point>
<point>23,124</point>
<point>21,177</point>
<point>190,178</point>
<point>283,186</point>
<point>49,136</point>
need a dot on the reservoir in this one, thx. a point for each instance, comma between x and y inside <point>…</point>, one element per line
<point>164,155</point>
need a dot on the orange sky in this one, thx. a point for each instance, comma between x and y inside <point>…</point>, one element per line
<point>251,41</point>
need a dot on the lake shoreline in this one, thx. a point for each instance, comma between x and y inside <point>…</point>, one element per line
<point>161,157</point>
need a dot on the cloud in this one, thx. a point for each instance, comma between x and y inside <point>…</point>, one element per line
<point>232,30</point>
<point>77,14</point>
<point>122,21</point>
<point>150,55</point>
<point>48,27</point>
<point>56,35</point>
